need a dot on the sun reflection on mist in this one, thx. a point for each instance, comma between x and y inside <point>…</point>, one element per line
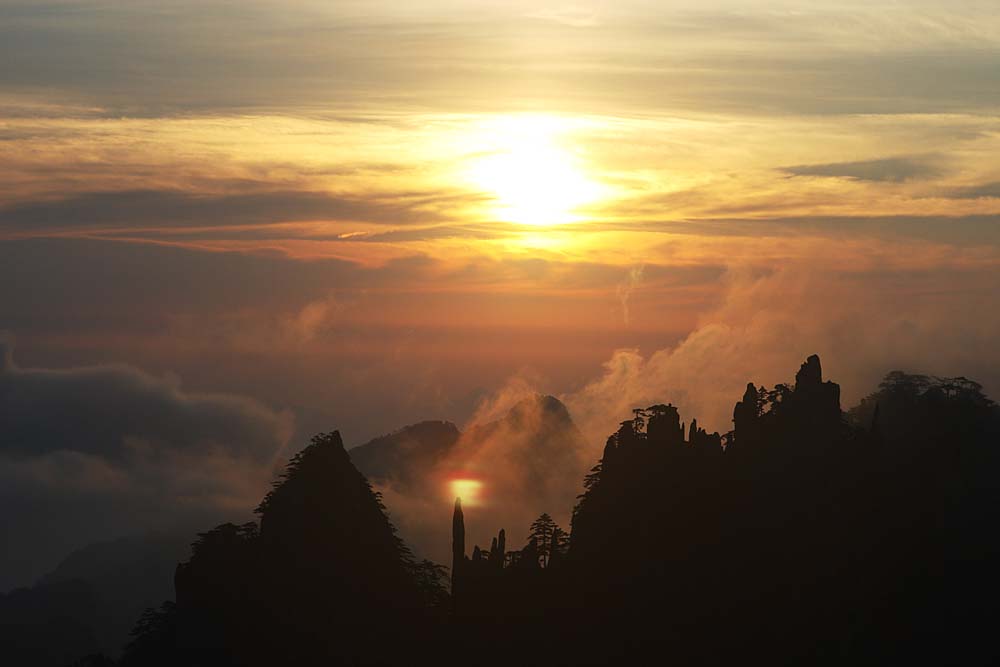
<point>469,490</point>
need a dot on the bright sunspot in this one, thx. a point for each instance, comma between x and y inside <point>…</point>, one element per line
<point>468,490</point>
<point>531,173</point>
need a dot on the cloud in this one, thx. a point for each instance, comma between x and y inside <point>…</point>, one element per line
<point>626,287</point>
<point>91,453</point>
<point>863,324</point>
<point>967,230</point>
<point>327,337</point>
<point>529,457</point>
<point>175,209</point>
<point>885,170</point>
<point>572,16</point>
<point>983,191</point>
<point>864,315</point>
<point>147,58</point>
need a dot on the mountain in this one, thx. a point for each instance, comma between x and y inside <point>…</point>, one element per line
<point>48,625</point>
<point>534,453</point>
<point>322,579</point>
<point>537,443</point>
<point>89,603</point>
<point>127,576</point>
<point>534,437</point>
<point>806,535</point>
<point>403,456</point>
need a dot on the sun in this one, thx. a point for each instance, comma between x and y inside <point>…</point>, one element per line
<point>530,172</point>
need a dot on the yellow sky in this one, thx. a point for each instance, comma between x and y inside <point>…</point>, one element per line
<point>513,177</point>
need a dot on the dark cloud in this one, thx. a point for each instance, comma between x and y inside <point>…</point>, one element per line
<point>478,232</point>
<point>79,284</point>
<point>178,209</point>
<point>407,234</point>
<point>886,170</point>
<point>945,230</point>
<point>92,453</point>
<point>983,191</point>
<point>324,337</point>
<point>61,284</point>
<point>98,410</point>
<point>85,284</point>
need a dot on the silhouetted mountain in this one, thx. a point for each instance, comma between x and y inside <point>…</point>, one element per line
<point>94,596</point>
<point>860,543</point>
<point>537,437</point>
<point>323,580</point>
<point>537,431</point>
<point>802,536</point>
<point>49,625</point>
<point>127,576</point>
<point>533,452</point>
<point>404,456</point>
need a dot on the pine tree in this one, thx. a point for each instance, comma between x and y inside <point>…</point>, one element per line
<point>548,538</point>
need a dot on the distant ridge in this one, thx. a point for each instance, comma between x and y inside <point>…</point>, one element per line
<point>402,454</point>
<point>408,455</point>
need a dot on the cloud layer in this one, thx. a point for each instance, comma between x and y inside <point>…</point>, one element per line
<point>892,170</point>
<point>861,325</point>
<point>97,452</point>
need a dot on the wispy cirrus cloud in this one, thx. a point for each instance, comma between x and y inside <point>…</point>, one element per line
<point>883,170</point>
<point>983,191</point>
<point>178,209</point>
<point>149,58</point>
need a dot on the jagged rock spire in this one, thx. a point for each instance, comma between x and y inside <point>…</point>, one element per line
<point>751,395</point>
<point>458,532</point>
<point>745,415</point>
<point>457,548</point>
<point>810,373</point>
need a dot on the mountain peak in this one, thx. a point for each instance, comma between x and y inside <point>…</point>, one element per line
<point>542,405</point>
<point>383,457</point>
<point>810,373</point>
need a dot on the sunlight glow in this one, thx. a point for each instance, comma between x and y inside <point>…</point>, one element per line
<point>469,490</point>
<point>533,177</point>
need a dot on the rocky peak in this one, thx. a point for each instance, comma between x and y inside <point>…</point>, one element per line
<point>547,409</point>
<point>810,373</point>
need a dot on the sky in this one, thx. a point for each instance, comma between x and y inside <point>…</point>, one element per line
<point>226,226</point>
